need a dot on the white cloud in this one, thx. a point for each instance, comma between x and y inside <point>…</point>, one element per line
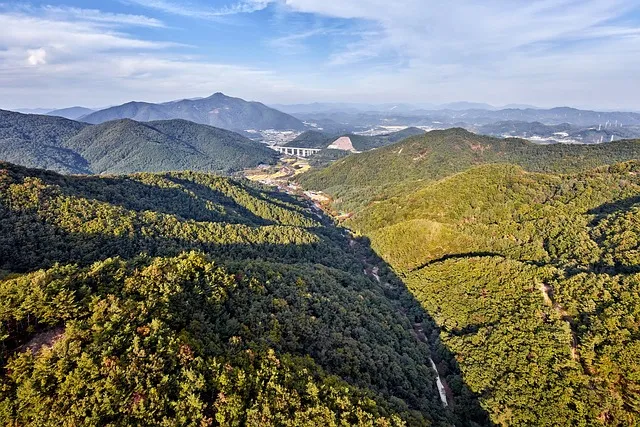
<point>20,30</point>
<point>546,52</point>
<point>37,56</point>
<point>498,51</point>
<point>461,28</point>
<point>69,57</point>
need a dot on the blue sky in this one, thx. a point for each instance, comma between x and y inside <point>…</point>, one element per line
<point>583,53</point>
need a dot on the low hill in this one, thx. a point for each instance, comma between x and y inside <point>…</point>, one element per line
<point>217,110</point>
<point>316,139</point>
<point>366,143</point>
<point>184,298</point>
<point>523,129</point>
<point>561,132</point>
<point>311,139</point>
<point>356,180</point>
<point>125,146</point>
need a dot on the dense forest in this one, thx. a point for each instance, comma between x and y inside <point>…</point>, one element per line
<point>530,270</point>
<point>125,146</point>
<point>191,299</point>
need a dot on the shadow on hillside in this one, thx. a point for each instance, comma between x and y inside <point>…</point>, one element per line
<point>277,198</point>
<point>172,201</point>
<point>455,256</point>
<point>29,242</point>
<point>464,404</point>
<point>44,245</point>
<point>607,209</point>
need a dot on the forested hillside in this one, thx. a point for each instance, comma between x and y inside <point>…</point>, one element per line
<point>38,141</point>
<point>356,180</point>
<point>128,146</point>
<point>532,278</point>
<point>125,146</point>
<point>190,299</point>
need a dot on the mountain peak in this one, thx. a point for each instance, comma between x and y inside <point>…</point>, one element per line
<point>218,110</point>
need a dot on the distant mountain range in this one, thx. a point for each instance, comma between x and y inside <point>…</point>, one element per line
<point>217,110</point>
<point>457,117</point>
<point>123,146</point>
<point>323,107</point>
<point>563,132</point>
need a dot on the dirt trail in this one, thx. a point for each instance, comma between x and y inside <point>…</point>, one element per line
<point>547,295</point>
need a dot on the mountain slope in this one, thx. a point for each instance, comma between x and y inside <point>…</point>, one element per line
<point>533,280</point>
<point>245,308</point>
<point>217,110</point>
<point>358,179</point>
<point>38,141</point>
<point>124,146</point>
<point>73,113</point>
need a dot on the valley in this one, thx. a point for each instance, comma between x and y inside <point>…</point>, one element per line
<point>303,213</point>
<point>392,276</point>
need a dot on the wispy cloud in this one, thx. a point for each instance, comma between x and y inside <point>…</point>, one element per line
<point>202,11</point>
<point>294,43</point>
<point>465,28</point>
<point>494,50</point>
<point>98,16</point>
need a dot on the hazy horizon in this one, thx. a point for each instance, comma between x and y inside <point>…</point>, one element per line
<point>422,106</point>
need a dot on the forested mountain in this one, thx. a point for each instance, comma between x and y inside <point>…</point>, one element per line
<point>185,298</point>
<point>38,141</point>
<point>125,146</point>
<point>72,113</point>
<point>360,178</point>
<point>217,110</point>
<point>533,278</point>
